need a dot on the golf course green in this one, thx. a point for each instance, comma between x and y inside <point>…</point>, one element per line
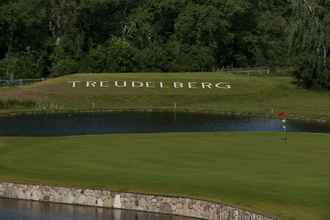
<point>257,171</point>
<point>253,170</point>
<point>263,95</point>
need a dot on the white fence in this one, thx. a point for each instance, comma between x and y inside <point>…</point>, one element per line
<point>247,70</point>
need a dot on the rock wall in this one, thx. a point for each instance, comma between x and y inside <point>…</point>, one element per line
<point>130,201</point>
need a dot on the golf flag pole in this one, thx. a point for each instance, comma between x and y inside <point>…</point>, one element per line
<point>282,116</point>
<point>285,129</point>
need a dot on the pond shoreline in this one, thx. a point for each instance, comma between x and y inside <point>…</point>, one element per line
<point>163,204</point>
<point>94,123</point>
<point>291,116</point>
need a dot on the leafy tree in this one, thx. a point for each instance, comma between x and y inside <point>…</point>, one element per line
<point>116,55</point>
<point>139,28</point>
<point>271,32</point>
<point>310,42</point>
<point>21,65</point>
<point>65,36</point>
<point>200,58</point>
<point>200,24</point>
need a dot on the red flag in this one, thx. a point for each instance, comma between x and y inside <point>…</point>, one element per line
<point>282,115</point>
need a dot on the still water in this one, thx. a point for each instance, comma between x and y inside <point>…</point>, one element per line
<point>140,122</point>
<point>27,210</point>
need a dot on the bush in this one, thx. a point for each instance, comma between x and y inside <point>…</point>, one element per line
<point>310,75</point>
<point>153,58</point>
<point>65,66</point>
<point>94,61</point>
<point>63,60</point>
<point>116,55</point>
<point>191,57</point>
<point>120,56</point>
<point>20,65</point>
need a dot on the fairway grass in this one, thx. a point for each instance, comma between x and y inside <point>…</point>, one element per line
<point>249,95</point>
<point>256,171</point>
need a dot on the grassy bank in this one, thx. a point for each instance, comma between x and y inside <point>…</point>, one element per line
<point>257,171</point>
<point>249,94</point>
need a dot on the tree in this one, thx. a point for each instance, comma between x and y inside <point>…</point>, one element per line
<point>65,36</point>
<point>21,65</point>
<point>310,41</point>
<point>24,33</point>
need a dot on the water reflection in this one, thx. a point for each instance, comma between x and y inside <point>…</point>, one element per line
<point>134,122</point>
<point>27,210</point>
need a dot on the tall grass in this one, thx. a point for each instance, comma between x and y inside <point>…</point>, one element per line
<point>11,103</point>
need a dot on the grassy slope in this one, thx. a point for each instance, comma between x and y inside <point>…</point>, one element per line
<point>249,94</point>
<point>253,170</point>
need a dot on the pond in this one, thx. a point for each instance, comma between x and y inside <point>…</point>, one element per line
<point>27,210</point>
<point>143,122</point>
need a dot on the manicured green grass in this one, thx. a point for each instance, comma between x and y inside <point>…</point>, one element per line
<point>257,171</point>
<point>256,95</point>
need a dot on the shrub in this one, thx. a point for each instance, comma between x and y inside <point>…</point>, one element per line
<point>20,65</point>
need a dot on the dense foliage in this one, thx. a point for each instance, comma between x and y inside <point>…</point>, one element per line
<point>53,37</point>
<point>310,42</point>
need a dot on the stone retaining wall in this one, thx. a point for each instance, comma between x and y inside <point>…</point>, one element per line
<point>130,201</point>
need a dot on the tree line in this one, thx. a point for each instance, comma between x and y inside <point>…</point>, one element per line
<point>55,37</point>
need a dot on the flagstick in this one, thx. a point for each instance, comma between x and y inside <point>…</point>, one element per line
<point>286,135</point>
<point>285,130</point>
<point>282,117</point>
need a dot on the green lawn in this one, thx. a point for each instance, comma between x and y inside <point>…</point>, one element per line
<point>256,95</point>
<point>257,171</point>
